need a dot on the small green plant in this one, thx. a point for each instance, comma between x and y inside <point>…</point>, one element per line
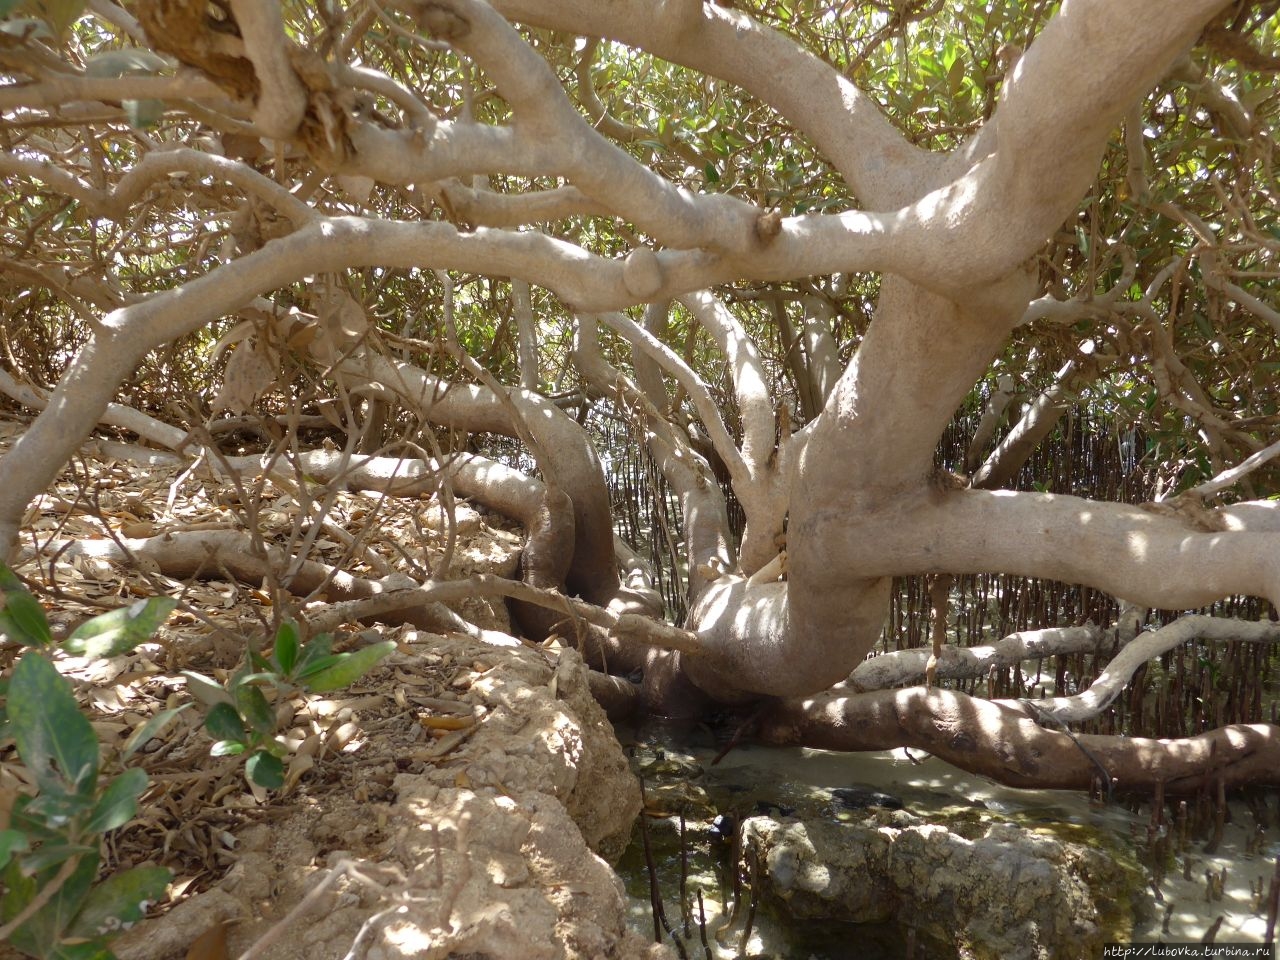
<point>239,715</point>
<point>53,905</point>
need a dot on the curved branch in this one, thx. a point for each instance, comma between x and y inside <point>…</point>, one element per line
<point>1000,741</point>
<point>1147,646</point>
<point>878,163</point>
<point>1176,561</point>
<point>59,90</point>
<point>763,494</point>
<point>611,127</point>
<point>1108,53</point>
<point>702,506</point>
<point>1039,421</point>
<point>219,552</point>
<point>155,167</point>
<point>905,667</point>
<point>571,465</point>
<point>749,381</point>
<point>545,116</point>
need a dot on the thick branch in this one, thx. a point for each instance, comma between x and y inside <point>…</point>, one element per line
<point>1149,558</point>
<point>1147,646</point>
<point>572,464</point>
<point>845,125</point>
<point>57,91</point>
<point>904,667</point>
<point>1000,741</point>
<point>282,99</point>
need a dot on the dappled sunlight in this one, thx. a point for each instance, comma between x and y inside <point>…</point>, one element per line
<point>933,320</point>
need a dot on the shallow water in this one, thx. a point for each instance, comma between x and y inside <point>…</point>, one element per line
<point>800,780</point>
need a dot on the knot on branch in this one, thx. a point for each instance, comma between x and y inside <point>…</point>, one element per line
<point>641,273</point>
<point>768,226</point>
<point>203,36</point>
<point>440,20</point>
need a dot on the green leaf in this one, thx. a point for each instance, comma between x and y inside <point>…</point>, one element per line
<point>320,646</point>
<point>955,76</point>
<point>152,728</point>
<point>143,114</point>
<point>119,631</point>
<point>255,710</point>
<point>228,748</point>
<point>265,770</point>
<point>39,936</point>
<point>8,6</point>
<point>287,646</point>
<point>10,580</point>
<point>51,855</point>
<point>52,810</point>
<point>11,842</point>
<point>206,691</point>
<point>223,723</point>
<point>318,665</point>
<point>119,802</point>
<point>24,622</point>
<point>349,668</point>
<point>54,738</point>
<point>120,899</point>
<point>249,679</point>
<point>22,619</point>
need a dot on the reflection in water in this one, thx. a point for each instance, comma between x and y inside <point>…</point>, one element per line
<point>818,784</point>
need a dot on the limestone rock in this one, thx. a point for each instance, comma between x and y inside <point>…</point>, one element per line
<point>493,849</point>
<point>980,891</point>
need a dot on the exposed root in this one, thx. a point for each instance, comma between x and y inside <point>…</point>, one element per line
<point>544,562</point>
<point>397,599</point>
<point>997,739</point>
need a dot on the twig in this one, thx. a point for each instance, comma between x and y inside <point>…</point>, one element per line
<point>654,903</point>
<point>684,878</point>
<point>1273,904</point>
<point>42,898</point>
<point>1228,477</point>
<point>740,732</point>
<point>1043,715</point>
<point>755,899</point>
<point>702,926</point>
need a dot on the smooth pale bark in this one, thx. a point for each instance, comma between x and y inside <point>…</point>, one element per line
<point>1042,415</point>
<point>1150,559</point>
<point>282,99</point>
<point>993,415</point>
<point>873,443</point>
<point>998,739</point>
<point>904,667</point>
<point>126,335</point>
<point>820,350</point>
<point>1090,703</point>
<point>761,491</point>
<point>702,505</point>
<point>526,335</point>
<point>844,124</point>
<point>571,463</point>
<point>951,233</point>
<point>347,597</point>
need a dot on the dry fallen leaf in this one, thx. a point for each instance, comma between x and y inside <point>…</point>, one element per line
<point>210,945</point>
